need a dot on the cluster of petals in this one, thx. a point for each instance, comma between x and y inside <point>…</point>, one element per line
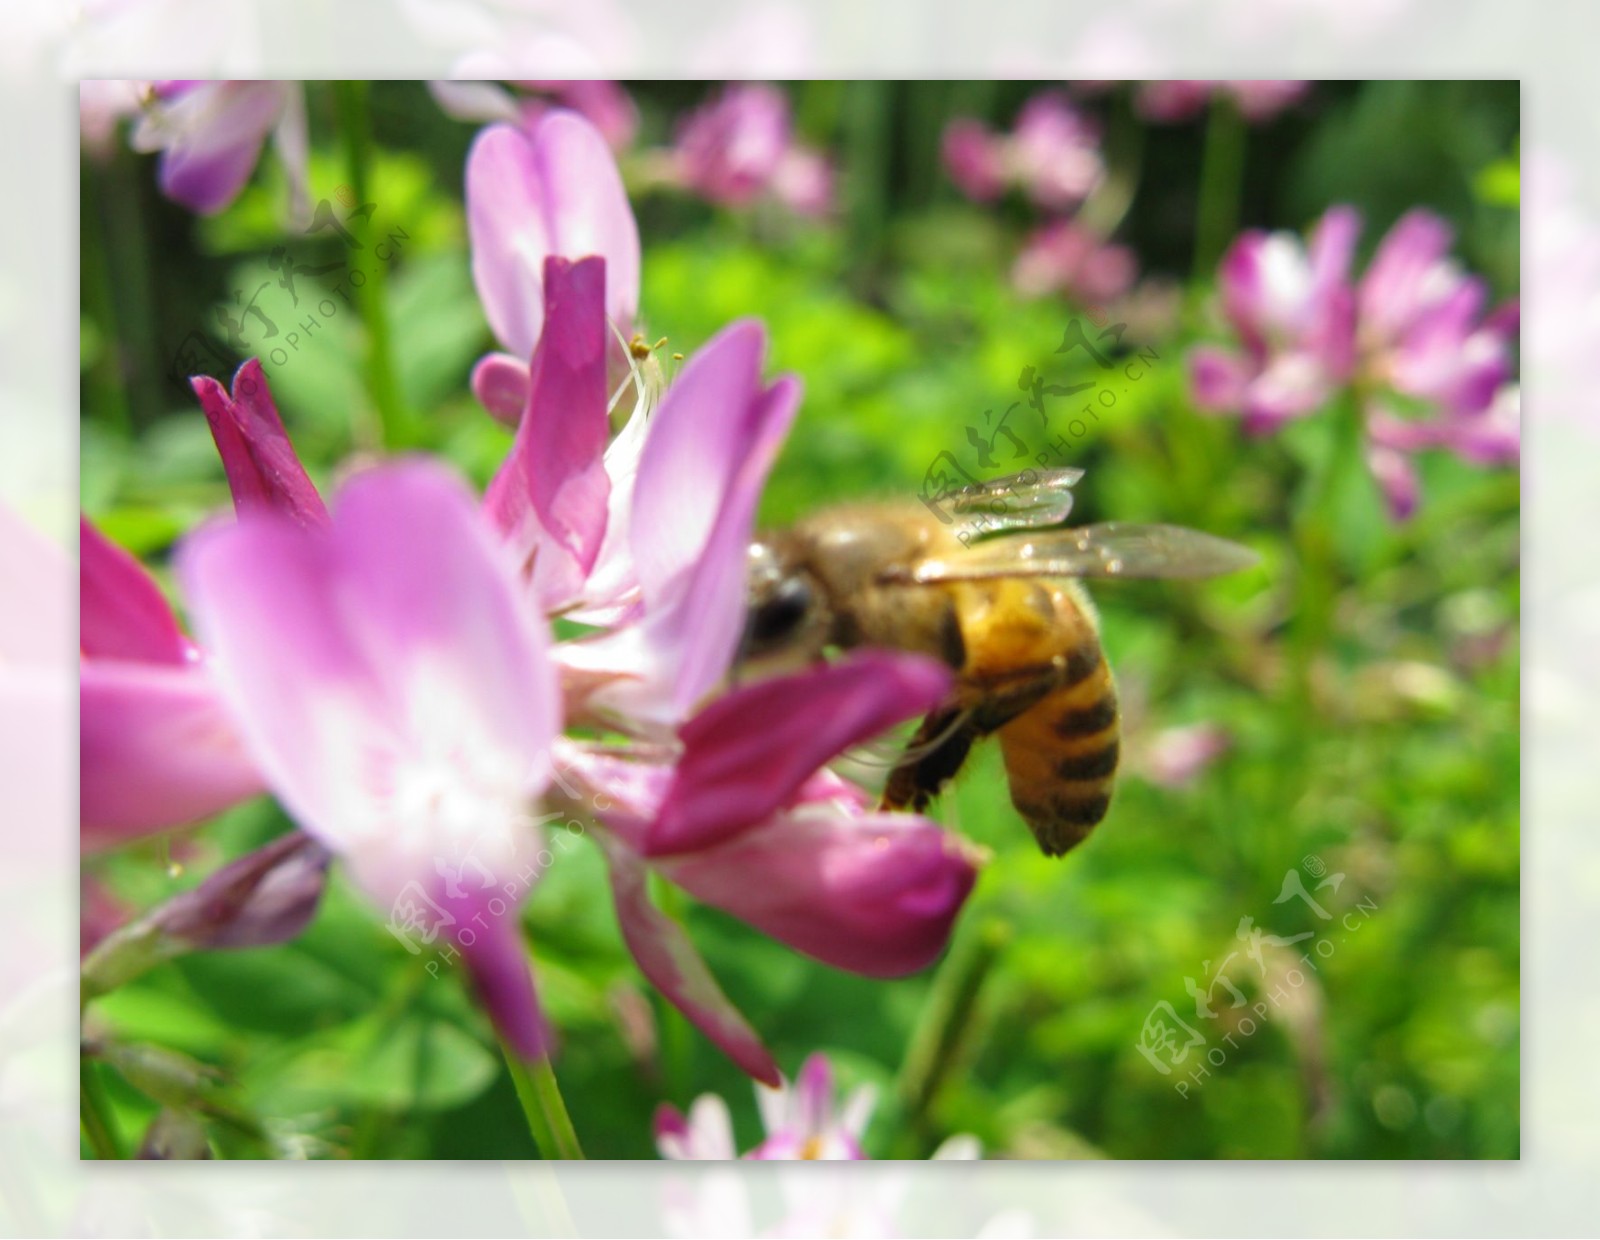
<point>739,148</point>
<point>1411,338</point>
<point>804,1120</point>
<point>384,665</point>
<point>1052,155</point>
<point>211,134</point>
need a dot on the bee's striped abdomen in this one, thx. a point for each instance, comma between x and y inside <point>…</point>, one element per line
<point>1061,753</point>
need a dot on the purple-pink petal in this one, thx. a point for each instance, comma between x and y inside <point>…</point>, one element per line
<point>1409,273</point>
<point>550,497</point>
<point>874,894</point>
<point>157,749</point>
<point>554,191</point>
<point>751,750</point>
<point>670,961</point>
<point>121,611</point>
<point>491,946</point>
<point>260,462</point>
<point>501,383</point>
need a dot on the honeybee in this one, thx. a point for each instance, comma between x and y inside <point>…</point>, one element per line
<point>990,588</point>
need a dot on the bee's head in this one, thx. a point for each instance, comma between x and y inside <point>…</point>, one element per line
<point>786,613</point>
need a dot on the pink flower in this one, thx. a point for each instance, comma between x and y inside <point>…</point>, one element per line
<point>158,748</point>
<point>1066,257</point>
<point>740,147</point>
<point>1052,154</point>
<point>102,106</point>
<point>803,1121</point>
<point>1412,332</point>
<point>1182,100</point>
<point>1176,757</point>
<point>210,135</point>
<point>1055,152</point>
<point>395,688</point>
<point>1293,310</point>
<point>745,820</point>
<point>554,192</point>
<point>975,159</point>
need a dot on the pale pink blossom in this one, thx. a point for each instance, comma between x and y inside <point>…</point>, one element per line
<point>1066,257</point>
<point>211,134</point>
<point>1409,337</point>
<point>1052,154</point>
<point>395,689</point>
<point>739,148</point>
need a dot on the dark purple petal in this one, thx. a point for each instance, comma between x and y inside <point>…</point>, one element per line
<point>263,470</point>
<point>267,896</point>
<point>750,751</point>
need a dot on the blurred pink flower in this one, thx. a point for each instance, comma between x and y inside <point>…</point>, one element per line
<point>1064,256</point>
<point>1293,310</point>
<point>1052,154</point>
<point>739,147</point>
<point>1411,334</point>
<point>1174,100</point>
<point>396,690</point>
<point>1176,757</point>
<point>210,136</point>
<point>551,192</point>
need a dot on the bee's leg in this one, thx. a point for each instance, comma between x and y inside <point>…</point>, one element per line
<point>933,756</point>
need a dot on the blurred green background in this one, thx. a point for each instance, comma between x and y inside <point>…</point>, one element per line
<point>1371,713</point>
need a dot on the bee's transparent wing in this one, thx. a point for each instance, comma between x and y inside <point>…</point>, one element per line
<point>1112,549</point>
<point>1034,499</point>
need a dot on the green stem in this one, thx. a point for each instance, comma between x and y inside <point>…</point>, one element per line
<point>382,384</point>
<point>1318,584</point>
<point>1108,205</point>
<point>543,1106</point>
<point>867,134</point>
<point>1221,185</point>
<point>945,1021</point>
<point>94,1109</point>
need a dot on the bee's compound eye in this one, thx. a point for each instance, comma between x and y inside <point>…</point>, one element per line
<point>781,612</point>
